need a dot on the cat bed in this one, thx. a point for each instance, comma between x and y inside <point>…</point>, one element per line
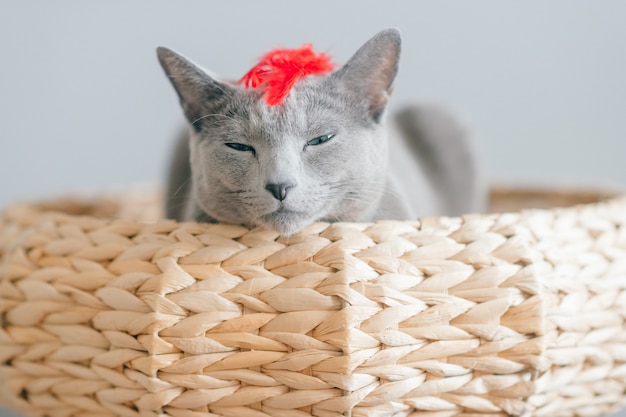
<point>108,311</point>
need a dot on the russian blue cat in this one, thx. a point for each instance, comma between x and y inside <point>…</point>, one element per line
<point>326,153</point>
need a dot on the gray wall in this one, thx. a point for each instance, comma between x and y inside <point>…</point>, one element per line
<point>84,104</point>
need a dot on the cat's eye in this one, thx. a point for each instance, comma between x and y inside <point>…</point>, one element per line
<point>240,147</point>
<point>320,139</point>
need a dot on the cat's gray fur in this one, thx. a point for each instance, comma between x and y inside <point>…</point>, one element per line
<point>285,184</point>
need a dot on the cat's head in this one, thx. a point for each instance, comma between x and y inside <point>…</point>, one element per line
<point>320,155</point>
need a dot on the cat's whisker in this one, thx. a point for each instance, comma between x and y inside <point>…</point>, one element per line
<point>181,187</point>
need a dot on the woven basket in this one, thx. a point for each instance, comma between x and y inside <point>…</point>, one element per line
<point>104,314</point>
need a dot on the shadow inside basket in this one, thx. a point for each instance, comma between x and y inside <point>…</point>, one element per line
<point>514,199</point>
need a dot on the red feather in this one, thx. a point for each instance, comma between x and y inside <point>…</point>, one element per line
<point>278,70</point>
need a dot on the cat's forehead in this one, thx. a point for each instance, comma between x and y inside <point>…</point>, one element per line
<point>310,103</point>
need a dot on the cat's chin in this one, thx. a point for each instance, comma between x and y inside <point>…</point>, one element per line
<point>286,222</point>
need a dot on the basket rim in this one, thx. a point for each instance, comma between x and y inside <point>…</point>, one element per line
<point>108,203</point>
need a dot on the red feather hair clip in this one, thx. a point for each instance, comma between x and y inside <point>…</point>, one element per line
<point>278,70</point>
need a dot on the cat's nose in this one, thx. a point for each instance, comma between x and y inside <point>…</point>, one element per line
<point>279,191</point>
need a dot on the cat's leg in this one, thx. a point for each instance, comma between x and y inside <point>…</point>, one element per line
<point>444,150</point>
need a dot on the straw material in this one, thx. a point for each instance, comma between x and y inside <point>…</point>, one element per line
<point>104,314</point>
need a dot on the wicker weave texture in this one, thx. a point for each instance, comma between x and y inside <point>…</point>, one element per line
<point>503,314</point>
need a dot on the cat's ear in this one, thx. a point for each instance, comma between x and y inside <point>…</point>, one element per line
<point>371,70</point>
<point>199,93</point>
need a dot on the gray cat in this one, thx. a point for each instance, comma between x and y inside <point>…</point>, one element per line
<point>324,154</point>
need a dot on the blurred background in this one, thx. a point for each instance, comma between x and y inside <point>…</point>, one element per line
<point>84,104</point>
